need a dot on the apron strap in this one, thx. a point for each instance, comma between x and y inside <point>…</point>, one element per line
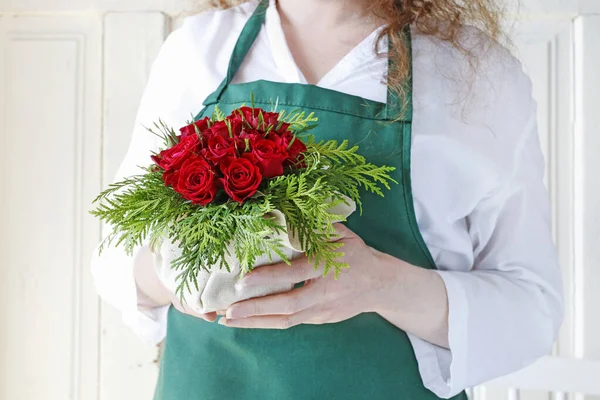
<point>397,108</point>
<point>401,108</point>
<point>241,49</point>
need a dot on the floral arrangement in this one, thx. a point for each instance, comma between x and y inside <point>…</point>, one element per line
<point>215,183</point>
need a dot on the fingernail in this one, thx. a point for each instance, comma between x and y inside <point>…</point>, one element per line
<point>223,321</point>
<point>211,319</point>
<point>229,314</point>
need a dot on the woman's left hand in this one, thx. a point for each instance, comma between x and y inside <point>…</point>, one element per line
<point>322,299</point>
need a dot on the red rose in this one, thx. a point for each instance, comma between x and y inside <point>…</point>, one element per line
<point>218,129</point>
<point>226,161</point>
<point>272,119</point>
<point>171,159</point>
<point>189,130</point>
<point>250,116</point>
<point>251,134</point>
<point>219,148</point>
<point>269,157</point>
<point>196,181</point>
<point>236,122</point>
<point>283,128</point>
<point>241,178</point>
<point>294,146</point>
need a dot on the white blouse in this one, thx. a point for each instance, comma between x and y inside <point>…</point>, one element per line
<point>477,173</point>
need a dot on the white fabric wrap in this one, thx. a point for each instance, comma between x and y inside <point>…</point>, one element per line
<point>217,289</point>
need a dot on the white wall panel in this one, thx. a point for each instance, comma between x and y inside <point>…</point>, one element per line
<point>556,374</point>
<point>50,135</point>
<point>541,7</point>
<point>169,6</point>
<point>588,7</point>
<point>587,187</point>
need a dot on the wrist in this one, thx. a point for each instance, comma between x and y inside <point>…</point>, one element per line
<point>401,287</point>
<point>412,298</point>
<point>390,283</point>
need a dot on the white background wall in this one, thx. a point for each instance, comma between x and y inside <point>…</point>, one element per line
<point>71,76</point>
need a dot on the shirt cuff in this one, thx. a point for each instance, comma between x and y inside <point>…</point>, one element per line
<point>150,325</point>
<point>443,371</point>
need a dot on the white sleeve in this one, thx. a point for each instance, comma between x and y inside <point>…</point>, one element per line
<point>113,270</point>
<point>506,308</point>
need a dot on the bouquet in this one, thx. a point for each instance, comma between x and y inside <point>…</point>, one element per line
<point>228,194</point>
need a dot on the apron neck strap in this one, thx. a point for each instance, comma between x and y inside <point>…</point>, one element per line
<point>397,108</point>
<point>241,49</point>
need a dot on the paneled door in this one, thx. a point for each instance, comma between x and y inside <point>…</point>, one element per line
<point>71,76</point>
<point>50,145</point>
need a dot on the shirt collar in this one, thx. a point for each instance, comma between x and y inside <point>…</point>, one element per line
<point>359,56</point>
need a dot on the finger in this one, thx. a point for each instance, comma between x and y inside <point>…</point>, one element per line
<point>343,232</point>
<point>307,316</point>
<point>300,270</point>
<point>210,317</point>
<point>287,303</point>
<point>268,322</point>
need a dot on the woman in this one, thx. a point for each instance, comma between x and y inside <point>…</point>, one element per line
<point>453,279</point>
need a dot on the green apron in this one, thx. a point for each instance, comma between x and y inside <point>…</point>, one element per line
<point>365,357</point>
